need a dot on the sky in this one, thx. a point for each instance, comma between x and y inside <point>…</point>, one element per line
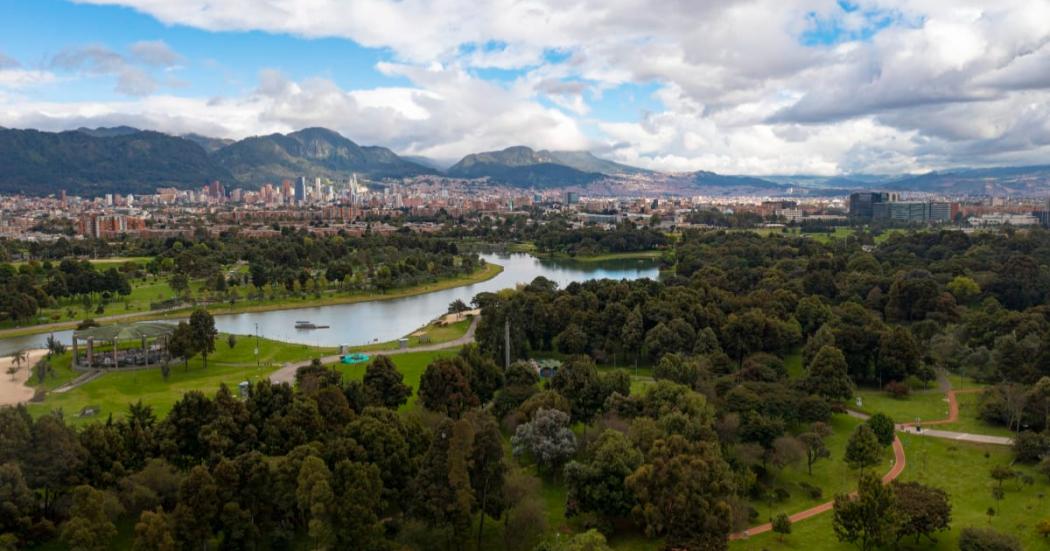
<point>759,87</point>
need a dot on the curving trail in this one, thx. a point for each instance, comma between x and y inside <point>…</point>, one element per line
<point>899,462</point>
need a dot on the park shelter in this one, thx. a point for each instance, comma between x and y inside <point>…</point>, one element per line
<point>122,345</point>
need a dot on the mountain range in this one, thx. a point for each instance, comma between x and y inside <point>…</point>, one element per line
<point>128,160</point>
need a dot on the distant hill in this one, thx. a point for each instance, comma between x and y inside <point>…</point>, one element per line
<point>1014,180</point>
<point>108,132</point>
<point>585,161</point>
<point>311,152</point>
<point>721,184</point>
<point>521,166</point>
<point>440,165</point>
<point>211,145</point>
<point>99,161</point>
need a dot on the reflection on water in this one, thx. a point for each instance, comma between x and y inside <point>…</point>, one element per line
<point>384,320</point>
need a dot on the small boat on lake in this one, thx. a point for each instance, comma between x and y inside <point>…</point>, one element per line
<point>309,325</point>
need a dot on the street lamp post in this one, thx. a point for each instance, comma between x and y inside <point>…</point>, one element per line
<point>256,351</point>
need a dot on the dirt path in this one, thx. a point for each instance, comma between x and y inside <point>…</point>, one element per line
<point>13,390</point>
<point>899,462</point>
<point>286,374</point>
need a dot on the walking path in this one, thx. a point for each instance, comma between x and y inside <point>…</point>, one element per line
<point>953,416</point>
<point>286,374</point>
<point>899,462</point>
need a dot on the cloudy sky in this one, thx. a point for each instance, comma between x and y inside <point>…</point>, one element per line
<point>732,86</point>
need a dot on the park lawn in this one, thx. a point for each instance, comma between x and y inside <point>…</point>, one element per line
<point>832,475</point>
<point>926,405</point>
<point>113,391</point>
<point>969,421</point>
<point>410,364</point>
<point>438,334</point>
<point>962,470</point>
<point>632,255</point>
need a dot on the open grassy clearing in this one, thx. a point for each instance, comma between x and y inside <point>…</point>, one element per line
<point>831,475</point>
<point>926,405</point>
<point>411,365</point>
<point>437,334</point>
<point>969,421</point>
<point>962,470</point>
<point>113,391</point>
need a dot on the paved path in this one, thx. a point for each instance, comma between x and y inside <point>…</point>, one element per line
<point>286,374</point>
<point>953,416</point>
<point>899,462</point>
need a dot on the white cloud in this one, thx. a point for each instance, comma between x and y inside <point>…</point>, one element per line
<point>945,82</point>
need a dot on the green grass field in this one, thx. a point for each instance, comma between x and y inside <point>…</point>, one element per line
<point>969,420</point>
<point>926,405</point>
<point>962,470</point>
<point>832,475</point>
<point>438,334</point>
<point>113,391</point>
<point>410,364</point>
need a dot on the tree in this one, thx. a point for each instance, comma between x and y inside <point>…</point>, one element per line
<point>181,344</point>
<point>828,375</point>
<point>90,526</point>
<point>683,492</point>
<point>197,508</point>
<point>591,540</point>
<point>1043,528</point>
<point>597,484</point>
<point>811,314</point>
<point>457,306</point>
<point>231,341</point>
<point>487,469</point>
<point>863,449</point>
<point>153,532</point>
<point>547,439</point>
<point>883,427</point>
<point>572,340</point>
<point>180,283</point>
<point>899,354</point>
<point>986,539</point>
<point>444,387</point>
<point>17,501</point>
<point>55,347</point>
<point>870,519</point>
<point>203,332</point>
<point>384,384</point>
<point>815,449</point>
<point>17,358</point>
<point>782,526</point>
<point>964,288</point>
<point>924,510</point>
<point>51,459</point>
<point>444,497</point>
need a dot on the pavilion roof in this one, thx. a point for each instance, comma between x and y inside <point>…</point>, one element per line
<point>126,331</point>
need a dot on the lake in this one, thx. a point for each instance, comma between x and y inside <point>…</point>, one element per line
<point>385,320</point>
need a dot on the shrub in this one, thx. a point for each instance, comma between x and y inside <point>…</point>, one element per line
<point>897,390</point>
<point>987,539</point>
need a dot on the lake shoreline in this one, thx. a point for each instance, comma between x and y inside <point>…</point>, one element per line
<point>489,271</point>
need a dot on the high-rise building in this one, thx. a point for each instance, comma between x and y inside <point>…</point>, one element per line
<point>300,190</point>
<point>862,203</point>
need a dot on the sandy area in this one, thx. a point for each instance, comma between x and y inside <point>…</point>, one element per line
<point>15,391</point>
<point>453,318</point>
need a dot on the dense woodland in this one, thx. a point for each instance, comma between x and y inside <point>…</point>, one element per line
<point>292,265</point>
<point>333,463</point>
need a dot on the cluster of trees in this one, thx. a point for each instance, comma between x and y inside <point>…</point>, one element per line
<point>36,285</point>
<point>560,238</point>
<point>299,262</point>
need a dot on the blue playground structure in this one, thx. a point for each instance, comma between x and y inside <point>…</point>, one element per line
<point>354,358</point>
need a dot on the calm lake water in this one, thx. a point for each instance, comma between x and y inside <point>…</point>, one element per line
<point>385,320</point>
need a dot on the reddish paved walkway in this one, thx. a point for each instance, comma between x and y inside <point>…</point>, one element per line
<point>953,409</point>
<point>899,462</point>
